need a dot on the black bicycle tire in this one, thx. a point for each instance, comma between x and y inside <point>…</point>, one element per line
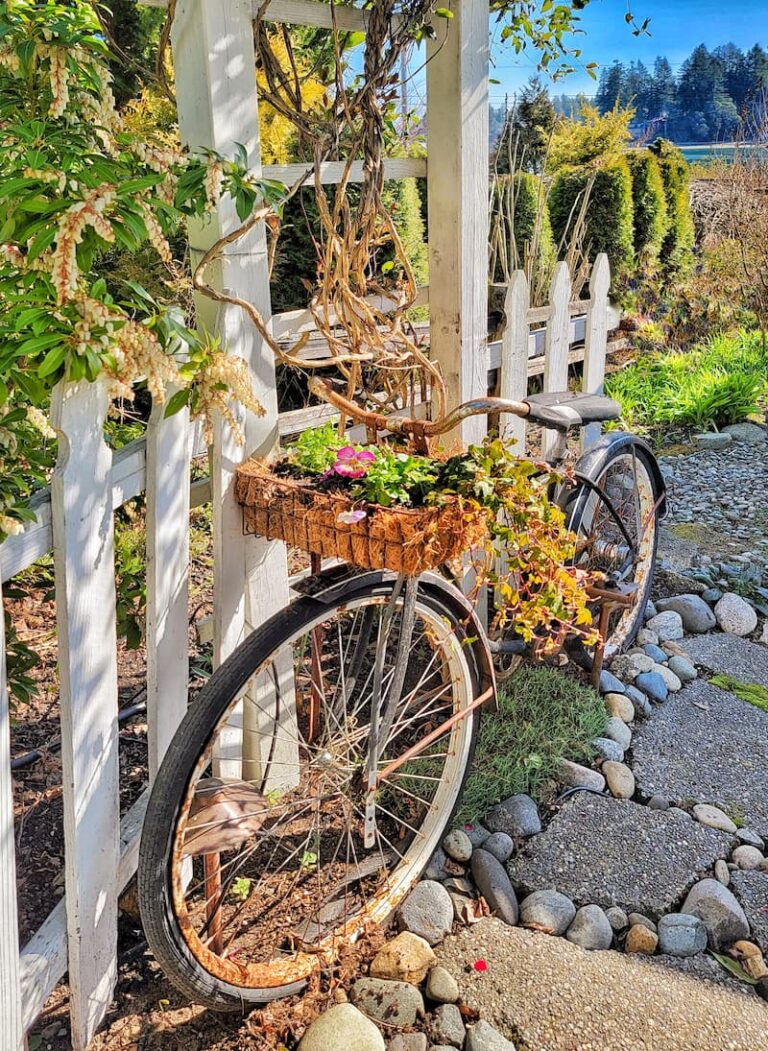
<point>153,877</point>
<point>577,503</point>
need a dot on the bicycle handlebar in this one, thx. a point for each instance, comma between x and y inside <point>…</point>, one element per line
<point>417,428</point>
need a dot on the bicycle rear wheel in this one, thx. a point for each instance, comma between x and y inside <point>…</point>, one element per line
<point>254,867</point>
<point>608,533</point>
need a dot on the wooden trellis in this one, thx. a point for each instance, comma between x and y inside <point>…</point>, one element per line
<point>216,88</point>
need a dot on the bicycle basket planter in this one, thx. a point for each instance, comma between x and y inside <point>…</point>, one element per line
<point>402,539</point>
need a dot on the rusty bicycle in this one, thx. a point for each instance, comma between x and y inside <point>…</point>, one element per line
<point>315,773</point>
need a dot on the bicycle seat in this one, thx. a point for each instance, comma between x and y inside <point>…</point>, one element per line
<point>564,410</point>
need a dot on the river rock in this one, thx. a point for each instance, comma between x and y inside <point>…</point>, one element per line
<point>442,986</point>
<point>517,816</point>
<point>646,637</point>
<point>427,911</point>
<point>483,1037</point>
<point>609,683</point>
<point>457,845</point>
<point>407,958</point>
<point>720,912</point>
<point>620,706</point>
<point>694,612</point>
<point>500,845</point>
<point>713,440</point>
<point>640,940</point>
<point>398,1004</point>
<point>590,929</point>
<point>477,834</point>
<point>653,686</point>
<point>629,665</point>
<point>617,730</point>
<point>668,626</point>
<point>656,653</point>
<point>751,433</point>
<point>408,1042</point>
<point>608,749</point>
<point>342,1026</point>
<point>683,668</point>
<point>713,817</point>
<point>735,615</point>
<point>617,918</point>
<point>448,1026</point>
<point>640,703</point>
<point>547,911</point>
<point>748,858</point>
<point>681,934</point>
<point>671,681</point>
<point>621,780</point>
<point>722,873</point>
<point>495,886</point>
<point>576,776</point>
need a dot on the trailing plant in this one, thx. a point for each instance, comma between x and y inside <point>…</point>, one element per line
<point>74,183</point>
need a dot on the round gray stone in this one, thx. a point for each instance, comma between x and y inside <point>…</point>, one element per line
<point>653,686</point>
<point>746,835</point>
<point>668,626</point>
<point>483,1037</point>
<point>448,1026</point>
<point>671,681</point>
<point>658,803</point>
<point>619,705</point>
<point>342,1026</point>
<point>547,911</point>
<point>621,780</point>
<point>427,911</point>
<point>681,935</point>
<point>576,776</point>
<point>642,705</point>
<point>646,637</point>
<point>608,749</point>
<point>477,834</point>
<point>638,919</point>
<point>408,1042</point>
<point>683,668</point>
<point>713,817</point>
<point>735,615</point>
<point>495,886</point>
<point>590,929</point>
<point>442,986</point>
<point>617,918</point>
<point>458,845</point>
<point>694,612</point>
<point>629,665</point>
<point>500,845</point>
<point>650,611</point>
<point>517,816</point>
<point>617,730</point>
<point>396,1003</point>
<point>722,873</point>
<point>750,433</point>
<point>656,653</point>
<point>609,683</point>
<point>719,911</point>
<point>747,858</point>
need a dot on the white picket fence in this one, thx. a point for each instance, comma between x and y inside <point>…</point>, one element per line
<point>216,92</point>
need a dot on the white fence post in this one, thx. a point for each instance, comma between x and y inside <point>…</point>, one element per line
<point>81,503</point>
<point>218,107</point>
<point>514,357</point>
<point>457,193</point>
<point>168,468</point>
<point>557,343</point>
<point>12,1028</point>
<point>596,340</point>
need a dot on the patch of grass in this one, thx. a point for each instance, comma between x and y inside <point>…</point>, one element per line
<point>544,717</point>
<point>720,382</point>
<point>750,692</point>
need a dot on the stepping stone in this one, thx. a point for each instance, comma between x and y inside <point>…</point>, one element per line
<point>706,745</point>
<point>613,852</point>
<point>751,889</point>
<point>730,655</point>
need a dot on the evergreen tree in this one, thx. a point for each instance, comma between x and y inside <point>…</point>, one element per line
<point>610,89</point>
<point>529,127</point>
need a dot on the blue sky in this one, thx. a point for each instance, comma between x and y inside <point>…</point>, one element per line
<point>677,26</point>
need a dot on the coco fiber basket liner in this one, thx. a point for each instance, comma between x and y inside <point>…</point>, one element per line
<point>402,539</point>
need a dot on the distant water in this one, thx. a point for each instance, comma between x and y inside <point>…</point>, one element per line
<point>709,152</point>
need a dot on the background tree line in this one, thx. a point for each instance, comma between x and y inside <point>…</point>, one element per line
<point>714,93</point>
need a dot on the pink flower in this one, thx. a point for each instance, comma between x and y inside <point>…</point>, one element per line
<point>353,464</point>
<point>351,517</point>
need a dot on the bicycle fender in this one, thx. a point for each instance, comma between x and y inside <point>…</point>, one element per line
<point>440,588</point>
<point>591,462</point>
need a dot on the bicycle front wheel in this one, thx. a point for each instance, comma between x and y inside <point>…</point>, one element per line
<point>264,849</point>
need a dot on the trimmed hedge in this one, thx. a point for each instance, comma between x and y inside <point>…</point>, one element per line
<point>679,238</point>
<point>649,205</point>
<point>296,257</point>
<point>609,212</point>
<point>520,194</point>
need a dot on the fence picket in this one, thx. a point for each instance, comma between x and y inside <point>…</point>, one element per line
<point>514,357</point>
<point>596,340</point>
<point>81,505</point>
<point>557,340</point>
<point>12,1029</point>
<point>168,497</point>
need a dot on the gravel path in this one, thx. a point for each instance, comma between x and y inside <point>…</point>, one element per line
<point>725,490</point>
<point>547,995</point>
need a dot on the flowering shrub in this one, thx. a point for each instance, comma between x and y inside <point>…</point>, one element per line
<point>74,183</point>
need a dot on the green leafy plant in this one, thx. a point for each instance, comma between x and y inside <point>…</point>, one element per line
<point>397,478</point>
<point>750,692</point>
<point>241,888</point>
<point>314,451</point>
